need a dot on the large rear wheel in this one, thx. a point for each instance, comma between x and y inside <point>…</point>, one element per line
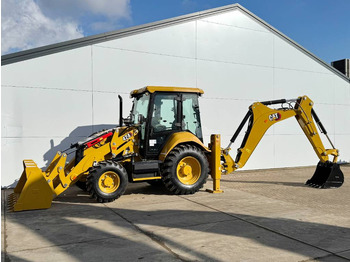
<point>185,170</point>
<point>107,181</point>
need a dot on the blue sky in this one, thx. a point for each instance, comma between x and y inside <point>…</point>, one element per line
<point>321,26</point>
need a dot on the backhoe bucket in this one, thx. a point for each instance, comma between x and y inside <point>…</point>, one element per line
<point>32,190</point>
<point>327,175</point>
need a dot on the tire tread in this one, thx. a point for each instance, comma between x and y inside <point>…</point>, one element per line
<point>168,176</point>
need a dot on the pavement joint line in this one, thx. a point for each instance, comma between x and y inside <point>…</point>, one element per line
<point>66,244</point>
<point>150,235</point>
<point>198,224</point>
<point>270,230</point>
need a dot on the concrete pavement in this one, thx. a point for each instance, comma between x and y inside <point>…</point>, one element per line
<point>263,215</point>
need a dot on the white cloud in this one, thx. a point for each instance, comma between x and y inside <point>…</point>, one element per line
<point>103,26</point>
<point>112,12</point>
<point>98,15</point>
<point>115,9</point>
<point>31,23</point>
<point>24,26</point>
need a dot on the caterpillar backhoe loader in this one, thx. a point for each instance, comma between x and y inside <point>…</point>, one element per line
<point>162,140</point>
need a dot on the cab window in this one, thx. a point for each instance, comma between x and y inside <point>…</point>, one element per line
<point>191,117</point>
<point>164,115</point>
<point>139,112</point>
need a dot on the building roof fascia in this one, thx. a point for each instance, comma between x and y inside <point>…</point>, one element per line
<point>95,39</point>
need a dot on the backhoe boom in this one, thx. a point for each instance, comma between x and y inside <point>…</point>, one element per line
<point>260,118</point>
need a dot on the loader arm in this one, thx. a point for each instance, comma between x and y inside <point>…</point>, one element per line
<point>260,118</point>
<point>36,188</point>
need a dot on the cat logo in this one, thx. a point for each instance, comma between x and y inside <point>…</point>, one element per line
<point>275,116</point>
<point>127,136</point>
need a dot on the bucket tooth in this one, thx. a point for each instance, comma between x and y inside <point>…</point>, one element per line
<point>11,200</point>
<point>327,175</point>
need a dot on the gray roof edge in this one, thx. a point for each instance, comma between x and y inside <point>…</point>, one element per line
<point>90,40</point>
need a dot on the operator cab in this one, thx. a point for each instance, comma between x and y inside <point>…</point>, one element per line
<point>162,111</point>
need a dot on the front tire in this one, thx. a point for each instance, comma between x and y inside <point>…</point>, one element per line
<point>107,181</point>
<point>185,170</point>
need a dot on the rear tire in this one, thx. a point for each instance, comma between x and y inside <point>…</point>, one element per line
<point>185,170</point>
<point>107,181</point>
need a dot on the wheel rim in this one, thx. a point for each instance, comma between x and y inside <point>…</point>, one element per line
<point>188,170</point>
<point>109,182</point>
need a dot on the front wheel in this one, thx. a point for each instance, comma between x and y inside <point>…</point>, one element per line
<point>107,181</point>
<point>185,170</point>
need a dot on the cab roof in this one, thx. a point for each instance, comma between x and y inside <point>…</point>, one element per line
<point>153,89</point>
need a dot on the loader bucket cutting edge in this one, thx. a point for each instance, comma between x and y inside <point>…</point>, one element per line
<point>327,175</point>
<point>32,190</point>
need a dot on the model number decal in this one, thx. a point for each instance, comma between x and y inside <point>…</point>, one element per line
<point>275,116</point>
<point>127,136</point>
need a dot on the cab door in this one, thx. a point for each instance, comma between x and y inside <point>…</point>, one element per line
<point>164,119</point>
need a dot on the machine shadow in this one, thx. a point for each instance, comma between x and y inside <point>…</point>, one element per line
<point>291,184</point>
<point>79,133</point>
<point>77,195</point>
<point>146,189</point>
<point>69,228</point>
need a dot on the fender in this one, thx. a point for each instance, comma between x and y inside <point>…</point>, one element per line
<point>180,138</point>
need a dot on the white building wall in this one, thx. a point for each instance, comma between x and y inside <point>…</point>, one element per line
<point>46,105</point>
<point>52,101</point>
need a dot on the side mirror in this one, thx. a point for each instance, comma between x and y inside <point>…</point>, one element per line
<point>141,119</point>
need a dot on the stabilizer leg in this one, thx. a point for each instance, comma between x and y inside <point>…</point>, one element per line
<point>215,163</point>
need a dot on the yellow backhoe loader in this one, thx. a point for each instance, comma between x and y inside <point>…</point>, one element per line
<point>161,141</point>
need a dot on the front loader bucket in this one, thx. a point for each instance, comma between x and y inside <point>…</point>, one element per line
<point>32,190</point>
<point>327,175</point>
